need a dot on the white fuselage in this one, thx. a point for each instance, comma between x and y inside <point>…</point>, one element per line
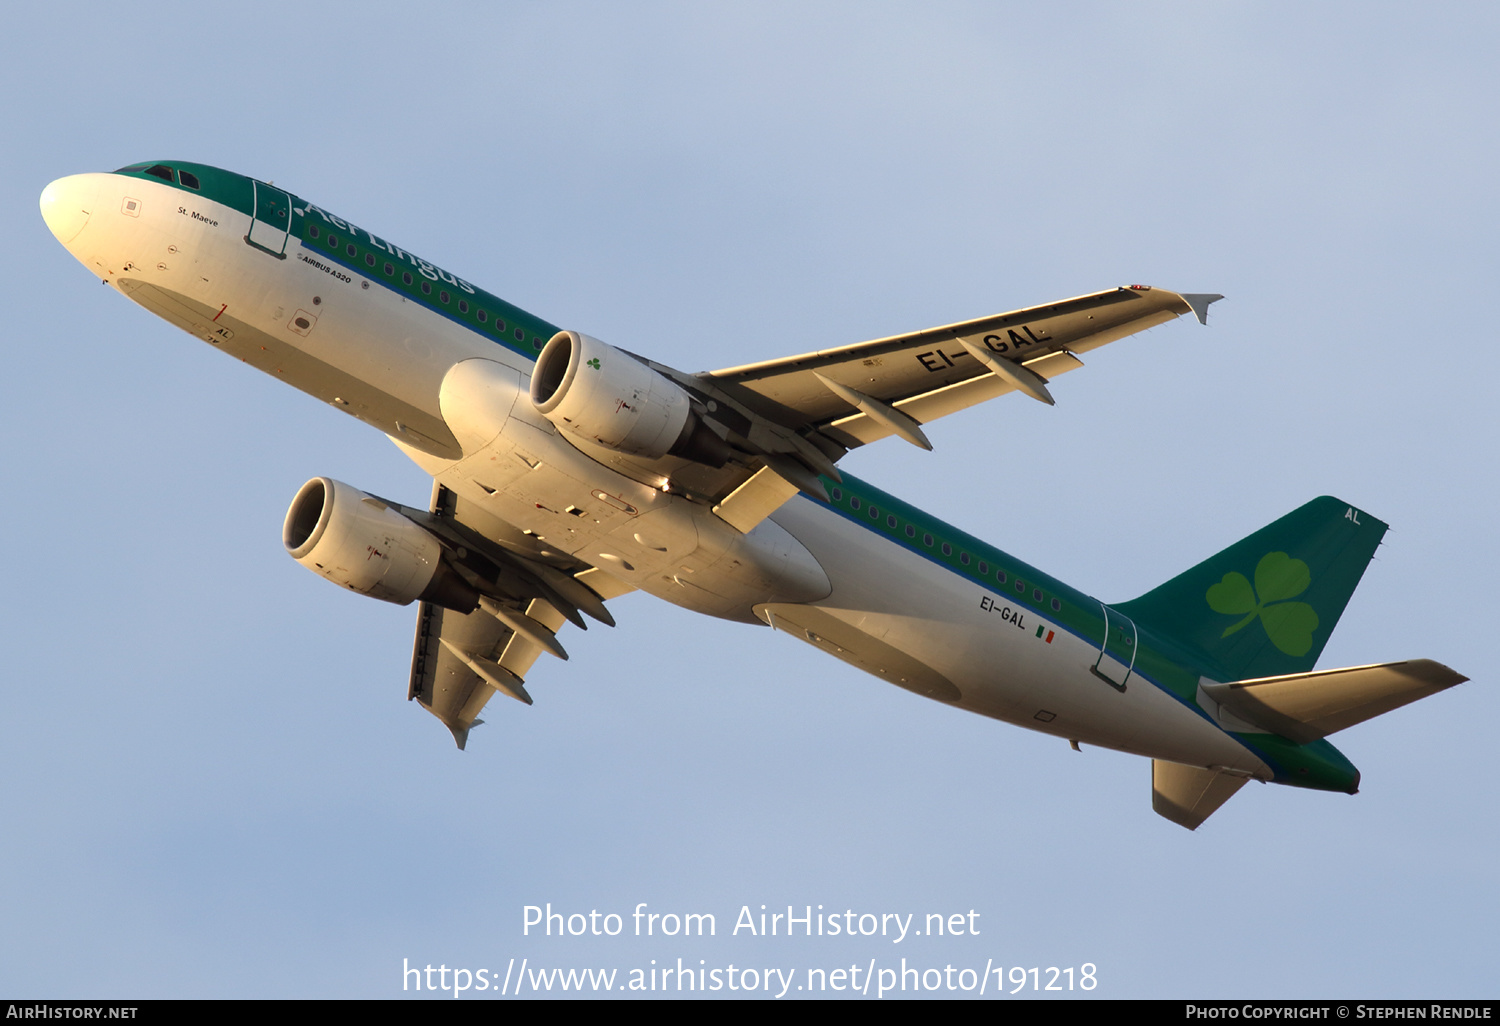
<point>809,570</point>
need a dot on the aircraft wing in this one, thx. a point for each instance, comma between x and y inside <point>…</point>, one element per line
<point>446,669</point>
<point>460,660</point>
<point>857,394</point>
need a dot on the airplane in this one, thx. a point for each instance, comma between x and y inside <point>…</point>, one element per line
<point>567,472</point>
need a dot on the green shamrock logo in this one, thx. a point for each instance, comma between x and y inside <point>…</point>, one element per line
<point>594,363</point>
<point>1278,578</point>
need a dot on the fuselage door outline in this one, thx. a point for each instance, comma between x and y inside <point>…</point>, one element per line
<point>271,223</point>
<point>1116,659</point>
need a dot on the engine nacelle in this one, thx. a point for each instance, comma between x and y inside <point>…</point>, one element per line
<point>358,542</point>
<point>606,396</point>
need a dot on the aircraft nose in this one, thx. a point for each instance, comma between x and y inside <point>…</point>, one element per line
<point>67,204</point>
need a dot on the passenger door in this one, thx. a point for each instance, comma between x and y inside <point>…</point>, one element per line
<point>272,221</point>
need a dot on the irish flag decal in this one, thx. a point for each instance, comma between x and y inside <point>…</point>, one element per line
<point>1041,629</point>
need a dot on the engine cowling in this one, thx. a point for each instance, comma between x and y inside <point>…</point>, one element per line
<point>358,542</point>
<point>602,394</point>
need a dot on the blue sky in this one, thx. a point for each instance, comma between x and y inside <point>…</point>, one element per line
<point>215,787</point>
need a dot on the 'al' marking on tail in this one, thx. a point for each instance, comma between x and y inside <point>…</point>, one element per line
<point>1266,605</point>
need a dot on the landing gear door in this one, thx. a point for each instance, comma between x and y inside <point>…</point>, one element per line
<point>272,221</point>
<point>1117,653</point>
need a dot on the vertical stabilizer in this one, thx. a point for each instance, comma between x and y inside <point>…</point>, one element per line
<point>1266,605</point>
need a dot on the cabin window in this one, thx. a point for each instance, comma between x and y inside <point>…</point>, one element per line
<point>927,540</point>
<point>1020,586</point>
<point>874,512</point>
<point>369,259</point>
<point>983,568</point>
<point>499,325</point>
<point>352,249</point>
<point>313,231</point>
<point>1056,606</point>
<point>911,532</point>
<point>389,270</point>
<point>838,496</point>
<point>520,335</point>
<point>536,343</point>
<point>406,277</point>
<point>891,522</point>
<point>160,171</point>
<point>854,503</point>
<point>947,549</point>
<point>1037,595</point>
<point>333,240</point>
<point>483,316</point>
<point>427,288</point>
<point>188,178</point>
<point>963,557</point>
<point>443,297</point>
<point>463,306</point>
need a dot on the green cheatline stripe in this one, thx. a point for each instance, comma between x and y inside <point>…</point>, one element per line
<point>501,319</point>
<point>1008,578</point>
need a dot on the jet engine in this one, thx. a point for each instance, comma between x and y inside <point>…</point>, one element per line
<point>358,542</point>
<point>606,396</point>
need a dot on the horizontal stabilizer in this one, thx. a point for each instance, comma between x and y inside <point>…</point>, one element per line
<point>1304,707</point>
<point>1188,795</point>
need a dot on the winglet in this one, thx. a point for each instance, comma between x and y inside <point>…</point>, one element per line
<point>1200,302</point>
<point>461,732</point>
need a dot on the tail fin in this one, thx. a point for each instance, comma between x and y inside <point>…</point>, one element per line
<point>1265,606</point>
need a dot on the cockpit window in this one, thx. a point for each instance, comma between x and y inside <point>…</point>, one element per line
<point>132,167</point>
<point>160,171</point>
<point>188,178</point>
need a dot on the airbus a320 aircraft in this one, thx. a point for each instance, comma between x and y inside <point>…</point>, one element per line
<point>568,472</point>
